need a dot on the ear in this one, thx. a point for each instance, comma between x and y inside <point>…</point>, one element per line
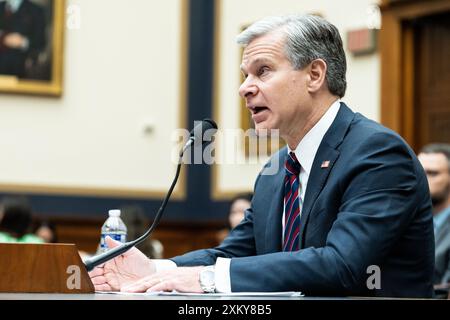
<point>317,72</point>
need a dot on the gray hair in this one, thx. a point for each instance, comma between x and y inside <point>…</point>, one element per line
<point>443,148</point>
<point>308,37</point>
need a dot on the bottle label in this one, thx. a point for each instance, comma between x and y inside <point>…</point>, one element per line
<point>116,236</point>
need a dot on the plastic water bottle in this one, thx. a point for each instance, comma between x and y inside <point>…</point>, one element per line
<point>114,228</point>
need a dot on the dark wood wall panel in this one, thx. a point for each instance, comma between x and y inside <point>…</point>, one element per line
<point>433,81</point>
<point>176,238</point>
<point>414,51</point>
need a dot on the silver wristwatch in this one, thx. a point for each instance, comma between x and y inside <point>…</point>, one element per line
<point>207,279</point>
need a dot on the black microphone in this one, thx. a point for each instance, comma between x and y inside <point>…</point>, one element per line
<point>202,132</point>
<point>205,128</point>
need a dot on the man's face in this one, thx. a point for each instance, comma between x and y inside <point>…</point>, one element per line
<point>436,168</point>
<point>275,93</point>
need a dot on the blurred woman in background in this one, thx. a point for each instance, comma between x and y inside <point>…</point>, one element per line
<point>15,221</point>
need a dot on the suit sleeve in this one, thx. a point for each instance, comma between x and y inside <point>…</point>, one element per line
<point>239,243</point>
<point>37,35</point>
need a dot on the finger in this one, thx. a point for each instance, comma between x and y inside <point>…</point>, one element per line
<point>161,286</point>
<point>96,272</point>
<point>134,285</point>
<point>111,243</point>
<point>99,280</point>
<point>141,285</point>
<point>103,287</point>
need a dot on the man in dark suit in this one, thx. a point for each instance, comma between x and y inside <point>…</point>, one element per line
<point>344,209</point>
<point>22,35</point>
<point>435,158</point>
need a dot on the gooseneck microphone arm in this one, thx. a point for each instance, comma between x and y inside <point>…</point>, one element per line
<point>111,254</point>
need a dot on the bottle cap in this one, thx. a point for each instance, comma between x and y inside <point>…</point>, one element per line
<point>114,213</point>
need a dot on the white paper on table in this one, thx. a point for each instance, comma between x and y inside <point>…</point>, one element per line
<point>231,294</point>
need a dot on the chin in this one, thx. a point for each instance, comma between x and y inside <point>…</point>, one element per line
<point>263,129</point>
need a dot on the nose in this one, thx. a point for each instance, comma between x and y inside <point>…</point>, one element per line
<point>248,88</point>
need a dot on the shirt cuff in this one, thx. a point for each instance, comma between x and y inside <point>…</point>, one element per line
<point>164,264</point>
<point>222,275</point>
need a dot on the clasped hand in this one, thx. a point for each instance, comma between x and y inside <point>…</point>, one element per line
<point>14,40</point>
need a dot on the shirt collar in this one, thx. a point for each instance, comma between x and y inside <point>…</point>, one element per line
<point>440,218</point>
<point>14,4</point>
<point>308,146</point>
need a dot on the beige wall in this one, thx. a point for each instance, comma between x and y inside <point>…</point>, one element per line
<point>362,76</point>
<point>122,70</point>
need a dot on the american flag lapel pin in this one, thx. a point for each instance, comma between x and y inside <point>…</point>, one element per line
<point>325,164</point>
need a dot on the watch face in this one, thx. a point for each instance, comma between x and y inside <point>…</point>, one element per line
<point>207,277</point>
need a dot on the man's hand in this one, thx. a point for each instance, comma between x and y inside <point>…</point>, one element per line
<point>124,270</point>
<point>182,279</point>
<point>14,41</point>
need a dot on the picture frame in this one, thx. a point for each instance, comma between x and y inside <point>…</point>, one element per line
<point>31,46</point>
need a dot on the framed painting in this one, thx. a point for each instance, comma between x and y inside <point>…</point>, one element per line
<point>31,46</point>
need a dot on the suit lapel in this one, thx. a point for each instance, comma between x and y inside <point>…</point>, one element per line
<point>327,152</point>
<point>326,157</point>
<point>316,181</point>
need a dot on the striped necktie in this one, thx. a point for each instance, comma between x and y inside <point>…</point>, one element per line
<point>291,204</point>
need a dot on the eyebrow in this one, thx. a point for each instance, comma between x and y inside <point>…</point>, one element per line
<point>256,62</point>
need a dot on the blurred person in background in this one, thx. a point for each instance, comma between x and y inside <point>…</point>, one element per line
<point>22,35</point>
<point>137,224</point>
<point>15,221</point>
<point>435,159</point>
<point>238,205</point>
<point>46,231</point>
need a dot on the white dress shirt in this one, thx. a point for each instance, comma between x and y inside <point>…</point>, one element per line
<point>305,153</point>
<point>13,5</point>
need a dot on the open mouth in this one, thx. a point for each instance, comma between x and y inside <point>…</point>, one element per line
<point>256,110</point>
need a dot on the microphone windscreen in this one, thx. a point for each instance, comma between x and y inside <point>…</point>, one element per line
<point>204,130</point>
<point>211,123</point>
